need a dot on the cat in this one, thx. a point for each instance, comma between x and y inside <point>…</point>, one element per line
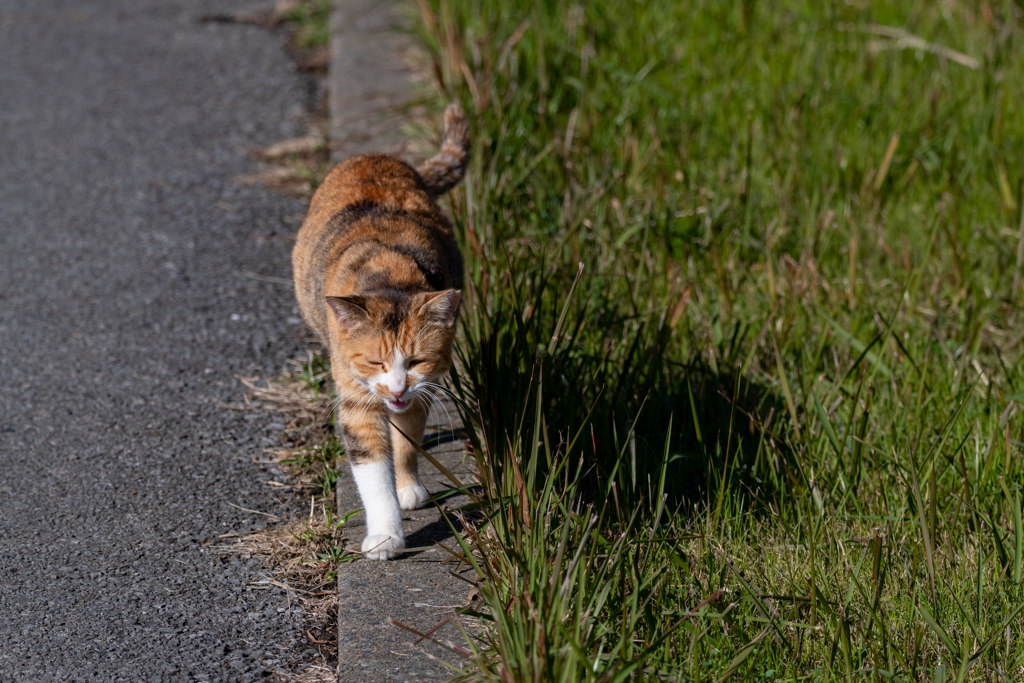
<point>378,276</point>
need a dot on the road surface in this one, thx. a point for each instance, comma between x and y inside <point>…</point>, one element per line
<point>127,306</point>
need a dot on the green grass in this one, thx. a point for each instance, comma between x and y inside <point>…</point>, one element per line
<point>309,23</point>
<point>320,461</point>
<point>315,373</point>
<point>771,431</point>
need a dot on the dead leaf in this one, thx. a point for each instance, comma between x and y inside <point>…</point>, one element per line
<point>303,145</point>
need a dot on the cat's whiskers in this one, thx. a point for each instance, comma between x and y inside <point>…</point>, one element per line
<point>365,400</point>
<point>443,389</point>
<point>446,391</point>
<point>332,405</point>
<point>329,410</point>
<point>435,400</point>
<point>363,391</point>
<point>429,400</point>
<point>453,397</point>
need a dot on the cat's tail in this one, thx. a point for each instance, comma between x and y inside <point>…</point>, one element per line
<point>445,169</point>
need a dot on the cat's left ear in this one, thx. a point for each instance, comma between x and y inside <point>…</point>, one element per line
<point>349,311</point>
<point>441,307</point>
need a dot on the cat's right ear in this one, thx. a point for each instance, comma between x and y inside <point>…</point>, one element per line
<point>349,311</point>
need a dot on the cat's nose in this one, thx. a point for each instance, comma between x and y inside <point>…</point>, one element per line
<point>397,393</point>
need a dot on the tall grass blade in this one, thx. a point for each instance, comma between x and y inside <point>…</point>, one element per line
<point>1018,530</point>
<point>565,310</point>
<point>922,517</point>
<point>826,425</point>
<point>742,655</point>
<point>929,620</point>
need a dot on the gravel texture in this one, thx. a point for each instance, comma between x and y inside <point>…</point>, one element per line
<point>125,313</point>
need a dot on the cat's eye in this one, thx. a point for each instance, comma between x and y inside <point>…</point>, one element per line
<point>376,363</point>
<point>414,363</point>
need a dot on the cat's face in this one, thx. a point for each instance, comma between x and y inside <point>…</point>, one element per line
<point>396,345</point>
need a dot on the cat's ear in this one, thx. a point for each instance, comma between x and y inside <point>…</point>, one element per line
<point>349,311</point>
<point>441,307</point>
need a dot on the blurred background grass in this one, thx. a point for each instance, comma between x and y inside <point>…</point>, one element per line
<point>770,430</point>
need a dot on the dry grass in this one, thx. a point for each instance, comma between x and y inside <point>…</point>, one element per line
<point>302,554</point>
<point>315,673</point>
<point>300,395</point>
<point>295,167</point>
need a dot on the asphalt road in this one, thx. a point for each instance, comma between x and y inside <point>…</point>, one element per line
<point>125,314</point>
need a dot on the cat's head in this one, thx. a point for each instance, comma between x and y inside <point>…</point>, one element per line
<point>395,344</point>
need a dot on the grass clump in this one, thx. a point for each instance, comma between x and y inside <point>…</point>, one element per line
<point>309,22</point>
<point>770,430</point>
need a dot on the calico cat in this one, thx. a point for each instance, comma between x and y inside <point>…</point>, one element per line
<point>378,276</point>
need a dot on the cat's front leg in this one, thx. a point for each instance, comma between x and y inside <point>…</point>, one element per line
<point>408,427</point>
<point>368,445</point>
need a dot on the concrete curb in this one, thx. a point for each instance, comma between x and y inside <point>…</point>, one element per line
<point>367,82</point>
<point>369,87</point>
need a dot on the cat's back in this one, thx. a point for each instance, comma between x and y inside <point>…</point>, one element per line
<point>379,180</point>
<point>372,212</point>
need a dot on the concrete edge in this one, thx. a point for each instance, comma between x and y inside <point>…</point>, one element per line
<point>370,83</point>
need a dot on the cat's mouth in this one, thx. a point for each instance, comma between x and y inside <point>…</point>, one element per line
<point>397,405</point>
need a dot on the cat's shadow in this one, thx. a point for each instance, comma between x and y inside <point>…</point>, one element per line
<point>438,531</point>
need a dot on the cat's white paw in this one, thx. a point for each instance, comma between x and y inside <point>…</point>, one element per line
<point>412,497</point>
<point>382,547</point>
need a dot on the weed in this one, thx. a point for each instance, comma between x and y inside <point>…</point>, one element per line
<point>309,23</point>
<point>769,431</point>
